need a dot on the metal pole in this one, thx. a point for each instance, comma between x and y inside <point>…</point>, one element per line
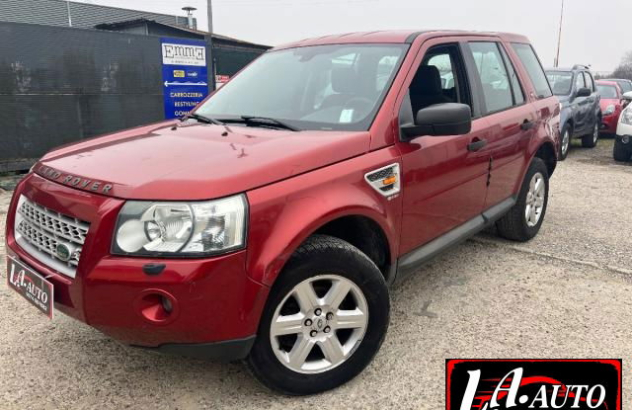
<point>209,39</point>
<point>68,11</point>
<point>559,37</point>
<point>209,10</point>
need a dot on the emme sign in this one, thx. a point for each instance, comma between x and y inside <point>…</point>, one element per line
<point>184,75</point>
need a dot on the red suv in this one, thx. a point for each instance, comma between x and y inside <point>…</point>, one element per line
<point>269,224</point>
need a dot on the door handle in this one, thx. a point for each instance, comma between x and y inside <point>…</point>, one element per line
<point>476,144</point>
<point>527,125</point>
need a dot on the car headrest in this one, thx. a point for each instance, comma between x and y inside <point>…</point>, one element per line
<point>427,81</point>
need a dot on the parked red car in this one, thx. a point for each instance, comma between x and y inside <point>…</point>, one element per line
<point>269,224</point>
<point>611,105</point>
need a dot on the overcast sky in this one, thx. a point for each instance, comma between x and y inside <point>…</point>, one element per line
<point>594,32</point>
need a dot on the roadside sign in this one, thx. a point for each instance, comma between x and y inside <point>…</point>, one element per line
<point>184,75</point>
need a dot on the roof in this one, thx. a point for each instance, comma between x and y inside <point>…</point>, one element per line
<point>395,37</point>
<point>215,36</point>
<point>568,69</point>
<point>606,82</point>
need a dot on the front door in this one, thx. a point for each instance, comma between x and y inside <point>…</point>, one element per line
<point>444,178</point>
<point>582,124</point>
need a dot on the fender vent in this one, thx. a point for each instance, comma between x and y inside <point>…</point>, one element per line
<point>385,180</point>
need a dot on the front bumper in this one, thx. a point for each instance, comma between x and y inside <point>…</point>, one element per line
<point>609,124</point>
<point>226,351</point>
<point>213,299</point>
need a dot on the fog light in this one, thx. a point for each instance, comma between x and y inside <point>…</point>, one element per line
<point>625,139</point>
<point>157,306</point>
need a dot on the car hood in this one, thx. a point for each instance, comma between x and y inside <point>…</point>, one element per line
<point>184,161</point>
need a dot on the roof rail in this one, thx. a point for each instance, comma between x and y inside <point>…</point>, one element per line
<point>578,66</point>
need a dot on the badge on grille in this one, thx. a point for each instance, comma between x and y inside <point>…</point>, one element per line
<point>63,251</point>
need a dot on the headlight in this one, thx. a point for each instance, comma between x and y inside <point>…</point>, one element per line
<point>609,110</point>
<point>626,116</point>
<point>181,228</point>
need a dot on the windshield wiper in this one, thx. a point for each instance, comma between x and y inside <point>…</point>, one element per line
<point>202,118</point>
<point>253,119</point>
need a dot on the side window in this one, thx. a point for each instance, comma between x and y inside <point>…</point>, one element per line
<point>440,79</point>
<point>516,88</point>
<point>589,81</point>
<point>493,74</point>
<point>579,81</point>
<point>532,65</point>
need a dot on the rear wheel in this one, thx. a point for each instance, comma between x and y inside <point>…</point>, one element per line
<point>590,140</point>
<point>325,319</point>
<point>621,152</point>
<point>523,221</point>
<point>565,143</point>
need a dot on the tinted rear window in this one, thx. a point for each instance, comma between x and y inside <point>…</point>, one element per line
<point>625,86</point>
<point>534,69</point>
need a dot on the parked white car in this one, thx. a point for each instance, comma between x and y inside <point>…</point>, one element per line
<point>623,141</point>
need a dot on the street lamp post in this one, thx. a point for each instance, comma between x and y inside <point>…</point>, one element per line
<point>559,37</point>
<point>209,10</point>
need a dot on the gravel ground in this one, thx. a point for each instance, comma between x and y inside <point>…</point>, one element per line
<point>564,294</point>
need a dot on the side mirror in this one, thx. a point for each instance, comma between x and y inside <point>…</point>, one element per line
<point>440,119</point>
<point>584,92</point>
<point>627,96</point>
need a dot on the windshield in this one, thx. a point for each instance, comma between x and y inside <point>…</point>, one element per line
<point>561,81</point>
<point>608,92</point>
<point>331,87</point>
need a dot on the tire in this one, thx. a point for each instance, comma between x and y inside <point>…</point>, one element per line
<point>565,141</point>
<point>621,152</point>
<point>320,261</point>
<point>514,225</point>
<point>590,140</point>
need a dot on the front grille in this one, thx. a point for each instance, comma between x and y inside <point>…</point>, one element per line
<point>52,238</point>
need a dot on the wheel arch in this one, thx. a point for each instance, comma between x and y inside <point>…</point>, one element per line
<point>363,227</point>
<point>546,152</point>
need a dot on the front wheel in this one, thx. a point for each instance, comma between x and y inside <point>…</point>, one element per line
<point>621,152</point>
<point>325,319</point>
<point>590,140</point>
<point>523,221</point>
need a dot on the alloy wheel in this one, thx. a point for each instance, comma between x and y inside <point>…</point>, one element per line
<point>319,324</point>
<point>535,199</point>
<point>566,140</point>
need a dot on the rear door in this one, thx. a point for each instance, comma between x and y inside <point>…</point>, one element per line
<point>511,120</point>
<point>444,177</point>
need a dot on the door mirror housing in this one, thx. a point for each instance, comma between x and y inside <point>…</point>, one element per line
<point>584,92</point>
<point>439,120</point>
<point>627,96</point>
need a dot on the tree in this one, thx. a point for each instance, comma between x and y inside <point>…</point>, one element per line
<point>624,70</point>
